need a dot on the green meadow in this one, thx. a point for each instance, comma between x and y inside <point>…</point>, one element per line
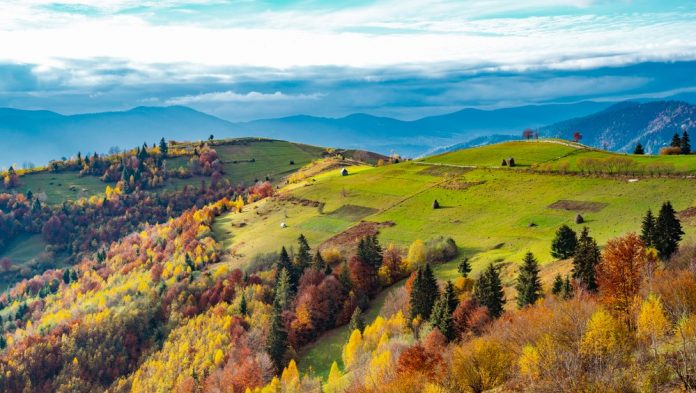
<point>495,214</point>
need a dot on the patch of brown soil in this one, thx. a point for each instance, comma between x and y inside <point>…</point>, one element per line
<point>347,241</point>
<point>578,206</point>
<point>688,216</point>
<point>459,185</point>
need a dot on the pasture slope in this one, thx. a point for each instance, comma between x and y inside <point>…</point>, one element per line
<point>494,213</point>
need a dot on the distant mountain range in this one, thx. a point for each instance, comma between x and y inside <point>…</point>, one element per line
<point>38,136</point>
<point>623,125</point>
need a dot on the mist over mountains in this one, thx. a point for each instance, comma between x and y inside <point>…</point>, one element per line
<point>614,126</point>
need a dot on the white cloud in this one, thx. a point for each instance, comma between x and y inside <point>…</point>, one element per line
<point>230,96</point>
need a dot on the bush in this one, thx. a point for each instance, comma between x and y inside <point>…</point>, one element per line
<point>440,249</point>
<point>670,151</point>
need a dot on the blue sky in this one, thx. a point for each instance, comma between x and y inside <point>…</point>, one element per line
<point>249,59</point>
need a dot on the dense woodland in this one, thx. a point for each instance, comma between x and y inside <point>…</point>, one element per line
<point>149,307</point>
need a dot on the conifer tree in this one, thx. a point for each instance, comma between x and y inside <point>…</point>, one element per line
<point>243,305</point>
<point>676,141</point>
<point>647,232</point>
<point>370,252</point>
<point>66,276</point>
<point>284,262</point>
<point>587,256</point>
<point>318,262</point>
<point>451,295</point>
<point>283,290</point>
<point>441,317</point>
<point>639,149</point>
<point>424,293</point>
<point>668,231</point>
<point>164,148</point>
<point>685,144</point>
<point>557,286</point>
<point>464,267</point>
<point>357,321</point>
<point>488,291</point>
<point>277,342</point>
<point>528,284</point>
<point>303,259</point>
<point>565,242</point>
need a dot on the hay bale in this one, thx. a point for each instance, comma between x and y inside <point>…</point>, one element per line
<point>504,163</point>
<point>511,162</point>
<point>579,219</point>
<point>436,204</point>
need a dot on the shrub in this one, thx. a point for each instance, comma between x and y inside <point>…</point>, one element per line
<point>440,249</point>
<point>670,151</point>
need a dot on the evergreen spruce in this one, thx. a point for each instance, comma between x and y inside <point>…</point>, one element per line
<point>557,285</point>
<point>587,256</point>
<point>303,259</point>
<point>283,290</point>
<point>243,305</point>
<point>370,252</point>
<point>451,295</point>
<point>668,231</point>
<point>424,293</point>
<point>441,317</point>
<point>488,291</point>
<point>528,284</point>
<point>647,232</point>
<point>357,321</point>
<point>66,276</point>
<point>284,262</point>
<point>318,262</point>
<point>639,149</point>
<point>277,342</point>
<point>685,144</point>
<point>464,267</point>
<point>164,148</point>
<point>565,242</point>
<point>676,141</point>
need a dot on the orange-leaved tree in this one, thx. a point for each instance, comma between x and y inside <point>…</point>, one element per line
<point>620,274</point>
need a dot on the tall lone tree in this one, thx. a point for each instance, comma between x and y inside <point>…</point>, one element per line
<point>464,267</point>
<point>587,256</point>
<point>528,283</point>
<point>565,242</point>
<point>668,231</point>
<point>647,231</point>
<point>488,291</point>
<point>163,148</point>
<point>424,293</point>
<point>676,141</point>
<point>284,262</point>
<point>639,149</point>
<point>685,144</point>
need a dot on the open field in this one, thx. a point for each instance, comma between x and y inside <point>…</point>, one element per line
<point>61,186</point>
<point>498,216</point>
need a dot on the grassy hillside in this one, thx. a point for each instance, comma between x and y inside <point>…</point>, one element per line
<point>494,214</point>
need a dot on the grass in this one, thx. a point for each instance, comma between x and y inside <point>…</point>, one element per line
<point>61,186</point>
<point>25,254</point>
<point>524,153</point>
<point>490,220</point>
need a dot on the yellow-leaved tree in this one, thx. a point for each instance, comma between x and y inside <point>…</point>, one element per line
<point>336,382</point>
<point>416,255</point>
<point>652,323</point>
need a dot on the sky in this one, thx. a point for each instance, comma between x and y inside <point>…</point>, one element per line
<point>249,59</point>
